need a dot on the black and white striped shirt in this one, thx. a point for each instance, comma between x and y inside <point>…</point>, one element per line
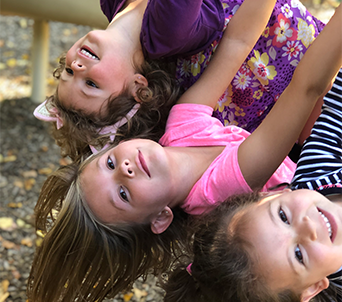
<point>320,164</point>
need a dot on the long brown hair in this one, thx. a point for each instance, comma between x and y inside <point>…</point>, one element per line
<point>222,268</point>
<point>82,259</point>
<point>82,128</point>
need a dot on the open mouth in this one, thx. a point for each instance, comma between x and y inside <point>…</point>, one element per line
<point>88,53</point>
<point>327,223</point>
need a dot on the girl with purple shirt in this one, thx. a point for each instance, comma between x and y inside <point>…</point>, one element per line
<point>110,77</point>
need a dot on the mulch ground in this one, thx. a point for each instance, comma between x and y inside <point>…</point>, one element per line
<point>27,155</point>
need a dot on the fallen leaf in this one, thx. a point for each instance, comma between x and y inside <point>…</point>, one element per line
<point>26,241</point>
<point>23,23</point>
<point>3,290</point>
<point>11,62</point>
<point>127,297</point>
<point>7,224</point>
<point>4,296</point>
<point>139,293</point>
<point>8,244</point>
<point>19,184</point>
<point>29,183</point>
<point>22,224</point>
<point>45,171</point>
<point>4,285</point>
<point>8,159</point>
<point>30,174</point>
<point>67,32</point>
<point>15,205</point>
<point>44,148</point>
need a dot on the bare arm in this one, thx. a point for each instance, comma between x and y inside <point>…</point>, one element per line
<point>238,40</point>
<point>264,150</point>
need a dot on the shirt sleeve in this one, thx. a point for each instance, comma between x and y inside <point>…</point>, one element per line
<point>173,27</point>
<point>111,7</point>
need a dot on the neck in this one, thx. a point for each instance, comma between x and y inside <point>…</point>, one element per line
<point>189,164</point>
<point>127,24</point>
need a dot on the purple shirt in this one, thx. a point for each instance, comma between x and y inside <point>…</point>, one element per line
<point>168,29</point>
<point>192,30</point>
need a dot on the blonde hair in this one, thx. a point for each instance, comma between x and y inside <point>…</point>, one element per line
<point>85,260</point>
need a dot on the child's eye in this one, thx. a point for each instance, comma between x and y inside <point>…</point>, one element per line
<point>299,255</point>
<point>91,84</point>
<point>110,163</point>
<point>283,216</point>
<point>69,70</point>
<point>123,194</point>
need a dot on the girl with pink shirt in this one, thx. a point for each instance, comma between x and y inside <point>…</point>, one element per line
<point>120,211</point>
<point>115,81</point>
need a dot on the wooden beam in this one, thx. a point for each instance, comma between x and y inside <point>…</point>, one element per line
<point>82,12</point>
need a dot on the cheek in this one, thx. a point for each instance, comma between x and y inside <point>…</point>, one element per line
<point>324,260</point>
<point>70,55</point>
<point>104,77</point>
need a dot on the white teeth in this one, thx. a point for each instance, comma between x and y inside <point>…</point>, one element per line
<point>88,54</point>
<point>327,223</point>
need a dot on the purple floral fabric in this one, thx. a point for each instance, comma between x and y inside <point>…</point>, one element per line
<point>268,68</point>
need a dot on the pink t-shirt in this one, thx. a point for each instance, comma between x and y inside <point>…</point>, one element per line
<point>191,125</point>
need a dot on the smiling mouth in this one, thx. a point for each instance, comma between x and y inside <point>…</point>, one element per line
<point>89,54</point>
<point>327,223</point>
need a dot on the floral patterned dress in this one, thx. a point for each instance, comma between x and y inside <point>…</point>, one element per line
<point>268,68</point>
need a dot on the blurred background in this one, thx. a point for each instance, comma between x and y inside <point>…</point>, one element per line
<point>28,154</point>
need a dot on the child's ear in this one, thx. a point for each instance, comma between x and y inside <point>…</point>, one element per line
<point>314,289</point>
<point>139,82</point>
<point>275,192</point>
<point>160,223</point>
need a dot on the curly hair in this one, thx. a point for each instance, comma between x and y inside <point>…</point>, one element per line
<point>82,259</point>
<point>223,268</point>
<point>82,128</point>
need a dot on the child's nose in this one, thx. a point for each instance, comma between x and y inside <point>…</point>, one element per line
<point>126,168</point>
<point>307,229</point>
<point>75,65</point>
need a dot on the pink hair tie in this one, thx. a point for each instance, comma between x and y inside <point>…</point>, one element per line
<point>188,269</point>
<point>114,128</point>
<point>48,113</point>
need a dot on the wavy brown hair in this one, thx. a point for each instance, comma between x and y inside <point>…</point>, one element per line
<point>82,128</point>
<point>82,259</point>
<point>223,268</point>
